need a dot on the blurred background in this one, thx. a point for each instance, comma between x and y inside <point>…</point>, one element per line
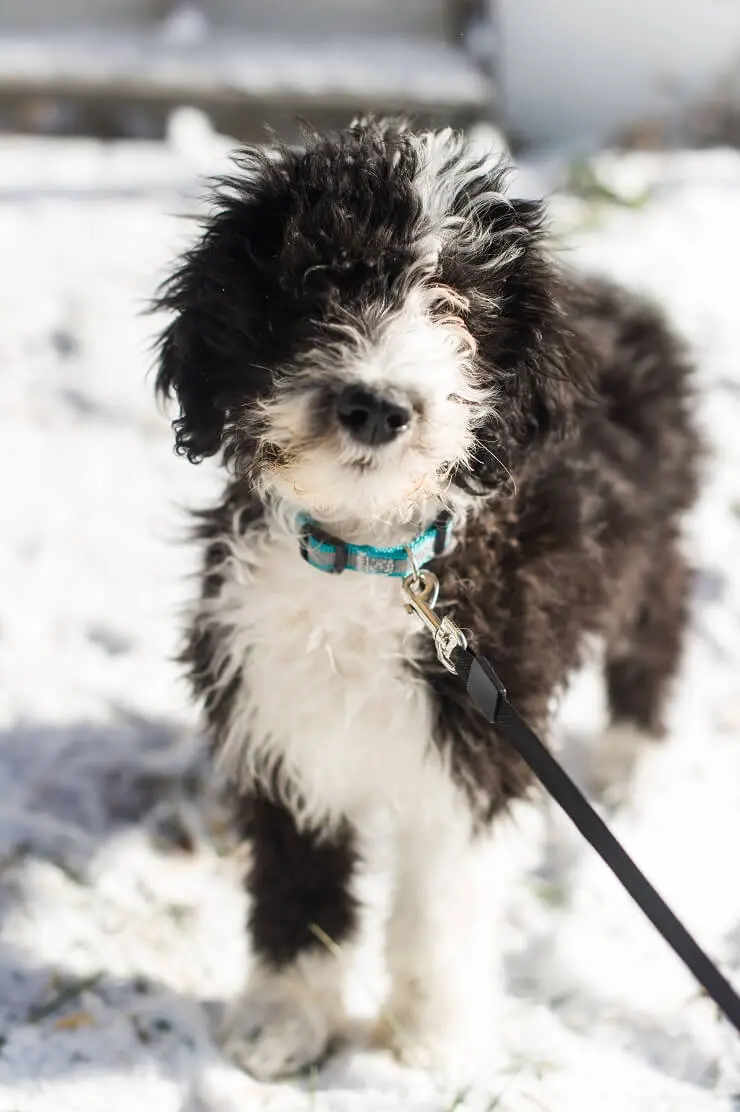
<point>577,72</point>
<point>120,908</point>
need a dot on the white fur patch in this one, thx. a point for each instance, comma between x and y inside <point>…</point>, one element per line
<point>327,700</point>
<point>455,182</point>
<point>442,938</point>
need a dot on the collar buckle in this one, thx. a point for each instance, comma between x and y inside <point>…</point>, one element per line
<point>339,549</point>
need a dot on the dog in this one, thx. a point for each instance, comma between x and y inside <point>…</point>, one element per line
<point>373,339</point>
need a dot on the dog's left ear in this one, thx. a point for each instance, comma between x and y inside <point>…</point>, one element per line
<point>540,364</point>
<point>522,317</point>
<point>493,249</point>
<point>536,343</point>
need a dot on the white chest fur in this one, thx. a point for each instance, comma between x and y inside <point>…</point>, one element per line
<point>327,698</point>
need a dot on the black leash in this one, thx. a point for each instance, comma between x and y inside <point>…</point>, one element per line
<point>489,696</point>
<point>487,692</point>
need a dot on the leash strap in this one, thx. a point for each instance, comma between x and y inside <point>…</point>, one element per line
<point>489,695</point>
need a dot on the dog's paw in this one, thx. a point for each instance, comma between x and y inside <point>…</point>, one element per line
<point>282,1023</point>
<point>452,1047</point>
<point>614,761</point>
<point>275,1043</point>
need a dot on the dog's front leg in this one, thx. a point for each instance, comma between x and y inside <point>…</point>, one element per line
<point>441,946</point>
<point>299,887</point>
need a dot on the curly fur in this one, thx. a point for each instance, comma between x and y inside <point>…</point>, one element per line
<point>553,413</point>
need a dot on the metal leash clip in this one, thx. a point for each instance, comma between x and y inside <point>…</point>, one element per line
<point>420,589</point>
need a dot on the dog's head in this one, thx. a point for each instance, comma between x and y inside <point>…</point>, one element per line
<point>366,322</point>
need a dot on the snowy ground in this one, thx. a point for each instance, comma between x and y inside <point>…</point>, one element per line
<point>121,918</point>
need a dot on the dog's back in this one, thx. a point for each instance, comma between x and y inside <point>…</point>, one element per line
<point>645,377</point>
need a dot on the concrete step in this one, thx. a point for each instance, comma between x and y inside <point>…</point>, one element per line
<point>240,69</point>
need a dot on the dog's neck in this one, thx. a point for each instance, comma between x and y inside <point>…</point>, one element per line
<point>390,530</point>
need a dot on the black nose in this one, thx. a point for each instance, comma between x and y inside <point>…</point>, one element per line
<point>370,418</point>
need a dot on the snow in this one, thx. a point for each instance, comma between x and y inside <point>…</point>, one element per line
<point>120,933</point>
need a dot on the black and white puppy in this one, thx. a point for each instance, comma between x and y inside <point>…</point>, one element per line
<point>370,335</point>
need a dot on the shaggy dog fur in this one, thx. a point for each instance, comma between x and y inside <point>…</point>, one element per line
<point>550,413</point>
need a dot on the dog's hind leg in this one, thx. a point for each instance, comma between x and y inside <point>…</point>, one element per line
<point>300,900</point>
<point>640,666</point>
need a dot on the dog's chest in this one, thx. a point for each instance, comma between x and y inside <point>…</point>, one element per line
<point>328,697</point>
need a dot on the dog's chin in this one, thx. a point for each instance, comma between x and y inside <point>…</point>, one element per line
<point>368,489</point>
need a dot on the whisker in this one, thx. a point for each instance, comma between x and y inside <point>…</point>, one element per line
<point>501,464</point>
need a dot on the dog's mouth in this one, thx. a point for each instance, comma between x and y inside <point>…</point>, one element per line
<point>325,476</point>
<point>363,466</point>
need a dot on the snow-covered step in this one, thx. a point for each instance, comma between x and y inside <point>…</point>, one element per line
<point>338,72</point>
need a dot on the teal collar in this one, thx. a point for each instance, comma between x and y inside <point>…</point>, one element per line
<point>327,553</point>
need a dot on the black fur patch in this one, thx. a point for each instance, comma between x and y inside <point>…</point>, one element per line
<point>298,881</point>
<point>587,544</point>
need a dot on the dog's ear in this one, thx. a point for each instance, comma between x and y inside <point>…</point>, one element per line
<point>521,314</point>
<point>185,372</point>
<point>207,354</point>
<point>535,343</point>
<point>493,250</point>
